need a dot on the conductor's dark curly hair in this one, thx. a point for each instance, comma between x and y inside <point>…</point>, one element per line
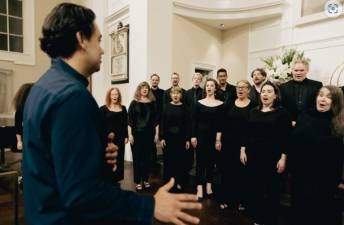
<point>60,28</point>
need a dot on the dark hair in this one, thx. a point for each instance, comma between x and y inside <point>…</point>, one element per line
<point>337,109</point>
<point>155,75</point>
<point>221,70</point>
<point>261,71</point>
<point>60,28</point>
<point>216,87</point>
<point>21,95</point>
<point>277,102</point>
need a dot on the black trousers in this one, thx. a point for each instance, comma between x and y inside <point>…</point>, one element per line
<point>142,155</point>
<point>205,161</point>
<point>234,176</point>
<point>313,201</point>
<point>175,160</point>
<point>264,200</point>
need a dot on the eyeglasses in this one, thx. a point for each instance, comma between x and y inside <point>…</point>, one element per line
<point>241,87</point>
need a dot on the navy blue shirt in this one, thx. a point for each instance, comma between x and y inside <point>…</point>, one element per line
<point>64,158</point>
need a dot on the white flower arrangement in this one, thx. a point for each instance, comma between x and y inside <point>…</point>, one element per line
<point>279,68</point>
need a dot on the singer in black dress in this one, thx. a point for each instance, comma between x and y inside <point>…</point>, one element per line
<point>174,136</point>
<point>206,135</point>
<point>269,130</point>
<point>234,174</point>
<point>317,156</point>
<point>116,120</point>
<point>18,102</point>
<point>142,130</point>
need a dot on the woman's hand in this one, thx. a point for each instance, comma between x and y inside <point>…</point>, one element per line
<point>163,143</point>
<point>218,145</point>
<point>19,145</point>
<point>187,145</point>
<point>194,142</point>
<point>281,164</point>
<point>243,156</point>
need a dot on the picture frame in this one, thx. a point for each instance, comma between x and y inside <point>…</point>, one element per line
<point>310,11</point>
<point>119,60</point>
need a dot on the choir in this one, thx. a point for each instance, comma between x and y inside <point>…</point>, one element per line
<point>252,133</point>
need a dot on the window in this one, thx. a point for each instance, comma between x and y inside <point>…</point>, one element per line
<point>11,25</point>
<point>17,31</point>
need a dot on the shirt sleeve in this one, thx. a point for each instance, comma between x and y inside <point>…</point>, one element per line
<point>78,154</point>
<point>131,114</point>
<point>162,123</point>
<point>125,122</point>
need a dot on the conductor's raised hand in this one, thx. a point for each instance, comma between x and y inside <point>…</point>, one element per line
<point>169,208</point>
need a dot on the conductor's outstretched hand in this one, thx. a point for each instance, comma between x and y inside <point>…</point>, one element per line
<point>169,208</point>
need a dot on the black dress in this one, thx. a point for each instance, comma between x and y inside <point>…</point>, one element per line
<point>267,136</point>
<point>234,174</point>
<point>317,164</point>
<point>142,120</point>
<point>117,122</point>
<point>206,123</point>
<point>174,129</point>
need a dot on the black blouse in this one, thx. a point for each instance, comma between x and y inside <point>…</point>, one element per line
<point>206,120</point>
<point>316,151</point>
<point>116,122</point>
<point>142,116</point>
<point>268,133</point>
<point>174,121</point>
<point>235,123</point>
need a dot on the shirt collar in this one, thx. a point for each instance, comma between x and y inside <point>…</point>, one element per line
<point>59,63</point>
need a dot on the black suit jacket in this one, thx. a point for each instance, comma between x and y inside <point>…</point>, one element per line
<point>159,97</point>
<point>192,96</point>
<point>299,96</point>
<point>227,95</point>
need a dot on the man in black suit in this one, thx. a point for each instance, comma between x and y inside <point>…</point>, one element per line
<point>191,97</point>
<point>299,93</point>
<point>259,77</point>
<point>227,92</point>
<point>343,89</point>
<point>195,93</point>
<point>157,92</point>
<point>175,83</point>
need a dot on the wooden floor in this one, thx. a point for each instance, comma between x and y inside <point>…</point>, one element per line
<point>210,214</point>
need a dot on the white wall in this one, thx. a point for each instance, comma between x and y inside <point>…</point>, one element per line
<point>30,73</point>
<point>235,52</point>
<point>193,43</point>
<point>322,41</point>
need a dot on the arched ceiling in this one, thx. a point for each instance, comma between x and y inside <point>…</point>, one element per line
<point>229,13</point>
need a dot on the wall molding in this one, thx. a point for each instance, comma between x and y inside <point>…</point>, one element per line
<point>306,45</point>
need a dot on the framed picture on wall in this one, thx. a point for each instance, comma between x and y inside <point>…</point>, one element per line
<point>311,11</point>
<point>119,60</point>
